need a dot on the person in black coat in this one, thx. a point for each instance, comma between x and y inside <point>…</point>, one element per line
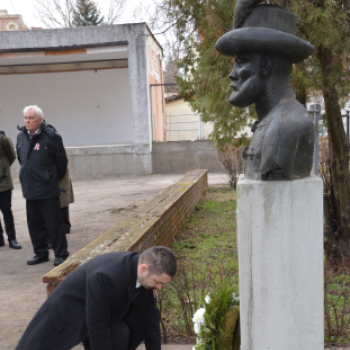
<point>7,157</point>
<point>108,303</point>
<point>43,161</point>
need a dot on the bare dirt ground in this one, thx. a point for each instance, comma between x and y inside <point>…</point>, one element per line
<point>99,204</point>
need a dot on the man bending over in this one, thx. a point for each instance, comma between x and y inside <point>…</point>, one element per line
<point>108,303</point>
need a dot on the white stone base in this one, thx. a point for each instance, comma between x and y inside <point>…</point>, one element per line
<point>280,248</point>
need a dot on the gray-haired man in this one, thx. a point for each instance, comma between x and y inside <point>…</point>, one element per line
<point>43,161</point>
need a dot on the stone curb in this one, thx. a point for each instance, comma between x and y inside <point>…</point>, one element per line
<point>154,223</point>
<point>170,347</point>
<point>189,347</point>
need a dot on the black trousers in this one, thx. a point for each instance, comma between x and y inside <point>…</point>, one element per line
<point>46,212</point>
<point>66,223</point>
<point>5,207</point>
<point>124,337</point>
<point>41,334</point>
<point>65,216</point>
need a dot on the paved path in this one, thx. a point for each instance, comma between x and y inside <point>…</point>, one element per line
<point>99,204</point>
<point>189,347</point>
<point>168,347</point>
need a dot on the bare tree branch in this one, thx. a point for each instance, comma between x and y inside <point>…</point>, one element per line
<point>54,13</point>
<point>115,10</point>
<point>59,13</point>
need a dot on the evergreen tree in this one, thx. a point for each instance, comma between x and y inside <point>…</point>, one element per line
<point>86,14</point>
<point>324,23</point>
<point>206,86</point>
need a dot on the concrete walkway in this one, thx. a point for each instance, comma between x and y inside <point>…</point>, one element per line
<point>170,347</point>
<point>189,347</point>
<point>99,204</point>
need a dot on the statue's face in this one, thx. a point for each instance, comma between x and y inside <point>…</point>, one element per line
<point>246,80</point>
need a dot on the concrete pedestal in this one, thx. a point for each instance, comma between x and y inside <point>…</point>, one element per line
<point>280,248</point>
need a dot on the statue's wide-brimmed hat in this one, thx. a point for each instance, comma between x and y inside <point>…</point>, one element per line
<point>265,29</point>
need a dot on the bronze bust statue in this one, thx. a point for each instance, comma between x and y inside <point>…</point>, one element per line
<point>265,47</point>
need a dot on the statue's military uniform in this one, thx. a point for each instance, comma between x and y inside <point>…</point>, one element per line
<point>290,122</point>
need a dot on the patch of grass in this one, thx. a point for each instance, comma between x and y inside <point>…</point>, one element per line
<point>337,306</point>
<point>205,248</point>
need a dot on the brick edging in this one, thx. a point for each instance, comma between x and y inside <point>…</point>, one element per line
<point>154,223</point>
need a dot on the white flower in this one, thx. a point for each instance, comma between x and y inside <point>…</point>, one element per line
<point>207,298</point>
<point>234,297</point>
<point>199,315</point>
<point>198,320</point>
<point>197,328</point>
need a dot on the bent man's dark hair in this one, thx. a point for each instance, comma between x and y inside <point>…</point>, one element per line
<point>160,260</point>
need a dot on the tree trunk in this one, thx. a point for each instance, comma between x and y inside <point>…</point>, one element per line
<point>332,221</point>
<point>340,247</point>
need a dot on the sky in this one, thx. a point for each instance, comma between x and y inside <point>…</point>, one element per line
<point>25,8</point>
<point>143,8</point>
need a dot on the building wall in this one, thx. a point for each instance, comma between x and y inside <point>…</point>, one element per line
<point>133,34</point>
<point>155,76</point>
<point>180,106</point>
<point>103,161</point>
<point>180,157</point>
<point>101,143</point>
<point>11,22</point>
<point>86,107</point>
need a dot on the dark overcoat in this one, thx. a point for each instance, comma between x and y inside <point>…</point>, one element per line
<point>43,162</point>
<point>89,301</point>
<point>7,157</point>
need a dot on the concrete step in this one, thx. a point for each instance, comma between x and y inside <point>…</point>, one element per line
<point>170,347</point>
<point>189,347</point>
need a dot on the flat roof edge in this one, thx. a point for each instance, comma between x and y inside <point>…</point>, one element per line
<point>154,38</point>
<point>70,47</point>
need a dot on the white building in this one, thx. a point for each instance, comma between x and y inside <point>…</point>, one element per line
<point>94,85</point>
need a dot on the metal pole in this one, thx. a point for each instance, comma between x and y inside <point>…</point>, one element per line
<point>316,110</point>
<point>150,119</point>
<point>199,126</point>
<point>347,125</point>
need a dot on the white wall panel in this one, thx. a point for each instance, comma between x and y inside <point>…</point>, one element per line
<point>86,107</point>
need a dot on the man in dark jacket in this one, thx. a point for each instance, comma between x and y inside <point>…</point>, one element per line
<point>7,157</point>
<point>108,303</point>
<point>43,161</point>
